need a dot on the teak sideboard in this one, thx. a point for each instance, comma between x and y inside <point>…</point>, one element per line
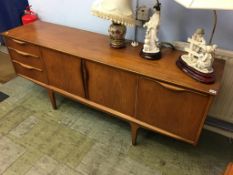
<point>78,64</point>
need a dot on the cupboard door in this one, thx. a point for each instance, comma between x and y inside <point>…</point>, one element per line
<point>174,110</point>
<point>64,71</point>
<point>111,87</point>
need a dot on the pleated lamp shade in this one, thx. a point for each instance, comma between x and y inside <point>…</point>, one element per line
<point>207,4</point>
<point>118,11</point>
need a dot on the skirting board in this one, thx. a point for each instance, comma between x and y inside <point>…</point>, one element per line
<point>219,131</point>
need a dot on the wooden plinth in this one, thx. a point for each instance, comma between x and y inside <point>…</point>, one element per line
<point>199,76</point>
<point>150,56</point>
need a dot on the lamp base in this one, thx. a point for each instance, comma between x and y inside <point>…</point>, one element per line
<point>207,78</point>
<point>117,35</point>
<point>117,44</point>
<point>151,56</point>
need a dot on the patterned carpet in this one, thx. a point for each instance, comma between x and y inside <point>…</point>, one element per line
<point>76,140</point>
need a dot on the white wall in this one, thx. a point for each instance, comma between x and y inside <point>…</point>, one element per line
<point>177,23</point>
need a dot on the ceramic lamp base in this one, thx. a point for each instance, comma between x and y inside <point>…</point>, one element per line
<point>117,44</point>
<point>207,78</point>
<point>150,56</point>
<point>117,35</point>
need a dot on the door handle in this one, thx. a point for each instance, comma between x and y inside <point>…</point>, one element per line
<point>177,89</point>
<point>23,53</point>
<point>85,77</point>
<point>171,87</point>
<point>27,66</point>
<point>19,42</point>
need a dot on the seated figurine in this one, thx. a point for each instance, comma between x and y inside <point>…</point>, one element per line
<point>205,61</point>
<point>197,41</point>
<point>199,58</point>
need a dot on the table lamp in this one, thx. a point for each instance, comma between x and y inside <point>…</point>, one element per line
<point>120,13</point>
<point>208,5</point>
<point>198,62</point>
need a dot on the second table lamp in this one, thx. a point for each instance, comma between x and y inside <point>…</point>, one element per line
<point>120,13</point>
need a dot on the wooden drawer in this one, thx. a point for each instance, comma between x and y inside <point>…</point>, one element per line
<point>173,109</point>
<point>30,72</point>
<point>22,46</point>
<point>26,58</point>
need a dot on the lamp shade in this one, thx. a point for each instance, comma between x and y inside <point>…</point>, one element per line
<point>207,4</point>
<point>119,11</point>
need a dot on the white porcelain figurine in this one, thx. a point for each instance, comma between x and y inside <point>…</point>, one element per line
<point>151,38</point>
<point>200,55</point>
<point>151,48</point>
<point>205,61</point>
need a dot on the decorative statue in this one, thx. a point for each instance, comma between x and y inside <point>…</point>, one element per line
<point>199,59</point>
<point>199,39</point>
<point>151,48</point>
<point>151,40</point>
<point>205,60</point>
<point>194,48</point>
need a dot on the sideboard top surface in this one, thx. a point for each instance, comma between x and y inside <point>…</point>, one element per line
<point>95,47</point>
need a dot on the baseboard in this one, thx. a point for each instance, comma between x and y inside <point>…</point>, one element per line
<point>214,122</point>
<point>219,131</point>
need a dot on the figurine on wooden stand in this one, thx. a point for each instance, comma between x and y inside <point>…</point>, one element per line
<point>199,59</point>
<point>205,61</point>
<point>151,48</point>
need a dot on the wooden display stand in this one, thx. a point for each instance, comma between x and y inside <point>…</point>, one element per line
<point>199,76</point>
<point>78,64</point>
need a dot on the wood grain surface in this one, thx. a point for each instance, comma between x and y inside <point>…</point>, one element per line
<point>155,95</point>
<point>95,47</point>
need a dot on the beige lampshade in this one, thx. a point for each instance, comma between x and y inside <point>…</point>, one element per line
<point>119,11</point>
<point>207,4</point>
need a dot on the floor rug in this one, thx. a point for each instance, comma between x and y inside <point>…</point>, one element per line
<point>3,96</point>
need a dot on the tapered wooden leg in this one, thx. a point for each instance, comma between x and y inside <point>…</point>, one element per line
<point>52,99</point>
<point>134,131</point>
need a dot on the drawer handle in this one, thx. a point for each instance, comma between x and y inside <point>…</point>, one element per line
<point>19,42</point>
<point>174,88</point>
<point>27,66</point>
<point>23,53</point>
